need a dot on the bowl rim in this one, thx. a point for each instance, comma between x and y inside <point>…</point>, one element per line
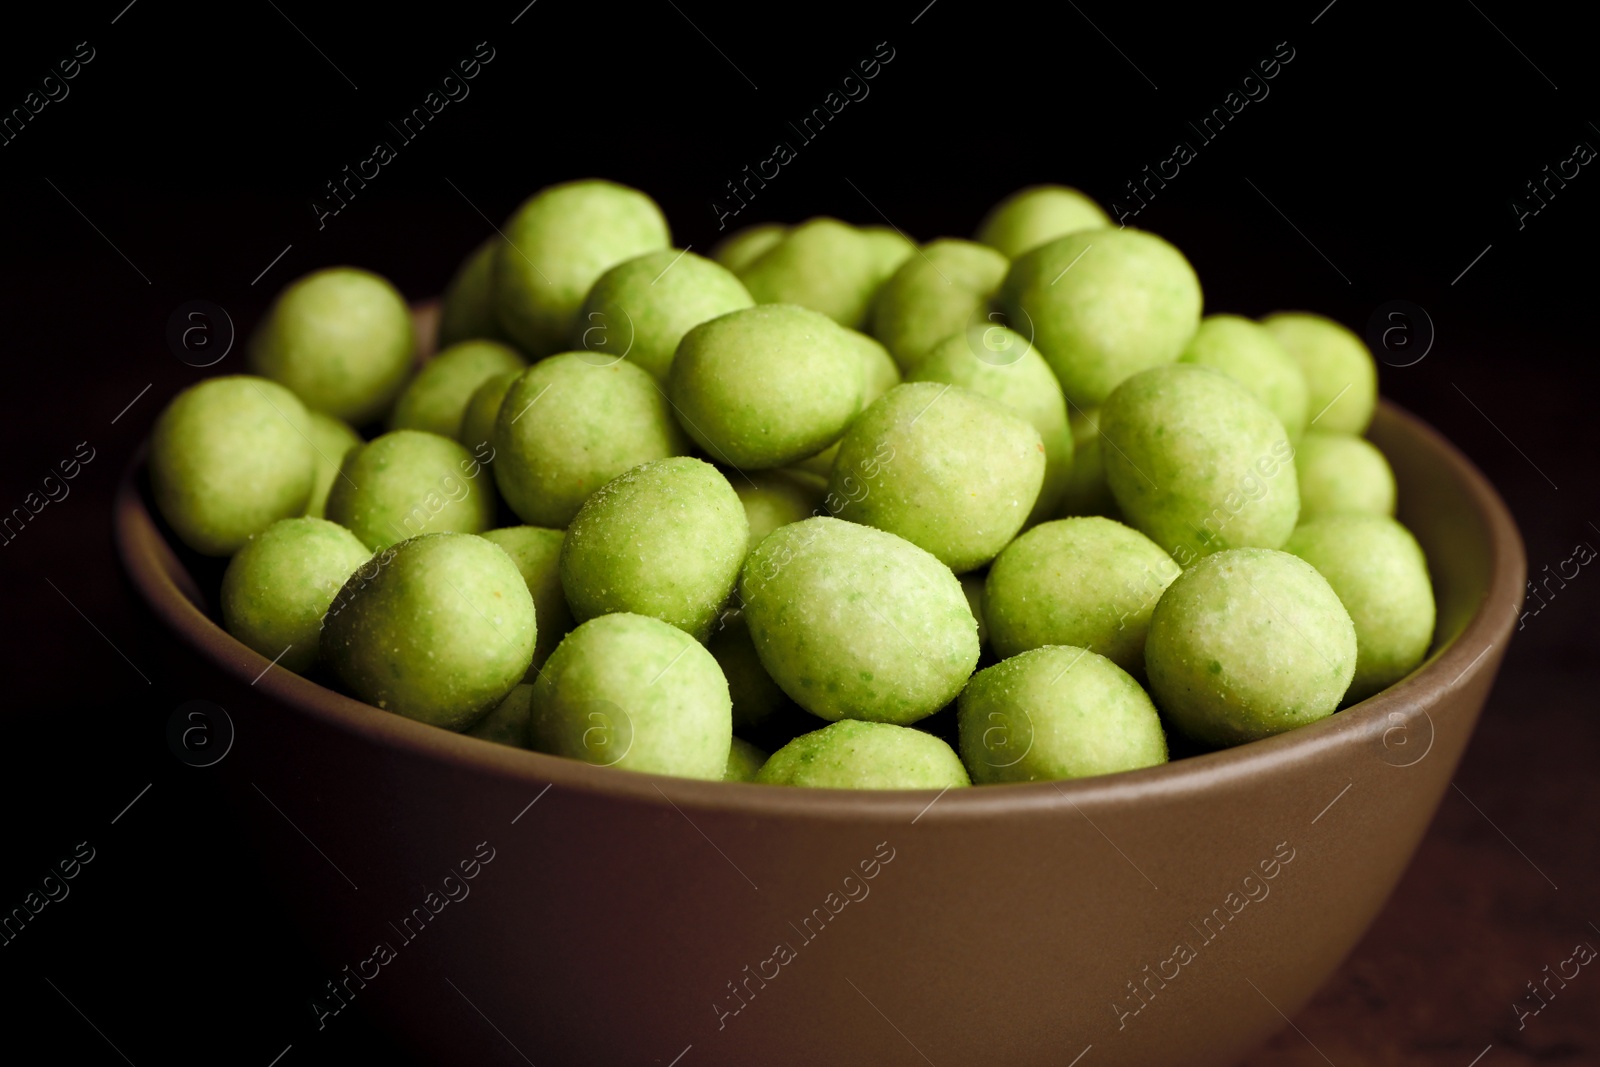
<point>149,560</point>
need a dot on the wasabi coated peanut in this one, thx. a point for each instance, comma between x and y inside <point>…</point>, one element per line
<point>888,247</point>
<point>767,385</point>
<point>280,584</point>
<point>1103,305</point>
<point>1249,354</point>
<point>229,457</point>
<point>1056,712</point>
<point>477,418</point>
<point>1381,576</point>
<point>331,440</point>
<point>1088,582</point>
<point>741,247</point>
<point>856,623</point>
<point>1340,472</point>
<point>1086,491</point>
<point>558,243</point>
<point>537,553</point>
<point>640,309</point>
<point>1341,378</point>
<point>440,631</point>
<point>466,311</point>
<point>881,374</point>
<point>567,427</point>
<point>436,399</point>
<point>1249,643</point>
<point>1197,463</point>
<point>821,264</point>
<point>507,724</point>
<point>633,692</point>
<point>664,539</point>
<point>744,760</point>
<point>950,471</point>
<point>407,483</point>
<point>340,339</point>
<point>865,755</point>
<point>1033,216</point>
<point>775,498</point>
<point>936,293</point>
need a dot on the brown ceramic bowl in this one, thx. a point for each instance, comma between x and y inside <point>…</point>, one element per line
<point>1176,915</point>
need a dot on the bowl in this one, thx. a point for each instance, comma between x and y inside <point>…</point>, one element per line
<point>472,897</point>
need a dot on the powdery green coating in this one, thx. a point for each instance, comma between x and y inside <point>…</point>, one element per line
<point>757,699</point>
<point>407,483</point>
<point>1199,464</point>
<point>567,427</point>
<point>632,692</point>
<point>1131,302</point>
<point>560,241</point>
<point>1086,491</point>
<point>1341,378</point>
<point>640,309</point>
<point>948,470</point>
<point>880,374</point>
<point>1340,472</point>
<point>889,249</point>
<point>466,312</point>
<point>537,553</point>
<point>1248,353</point>
<point>995,362</point>
<point>865,755</point>
<point>856,623</point>
<point>1087,581</point>
<point>440,633</point>
<point>766,386</point>
<point>507,724</point>
<point>483,407</point>
<point>934,294</point>
<point>774,498</point>
<point>1056,712</point>
<point>1249,643</point>
<point>229,457</point>
<point>744,760</point>
<point>742,247</point>
<point>279,585</point>
<point>1033,216</point>
<point>664,539</point>
<point>1381,576</point>
<point>331,441</point>
<point>436,399</point>
<point>340,339</point>
<point>822,264</point>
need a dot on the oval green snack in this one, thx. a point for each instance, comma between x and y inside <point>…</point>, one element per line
<point>1056,712</point>
<point>439,630</point>
<point>466,311</point>
<point>537,553</point>
<point>507,724</point>
<point>407,483</point>
<point>1248,353</point>
<point>557,244</point>
<point>567,427</point>
<point>880,374</point>
<point>280,584</point>
<point>436,399</point>
<point>229,457</point>
<point>640,309</point>
<point>865,755</point>
<point>766,386</point>
<point>741,247</point>
<point>1340,472</point>
<point>483,407</point>
<point>934,294</point>
<point>1088,582</point>
<point>1086,491</point>
<point>340,339</point>
<point>1381,576</point>
<point>822,264</point>
<point>331,440</point>
<point>948,470</point>
<point>633,692</point>
<point>664,539</point>
<point>1103,305</point>
<point>1249,643</point>
<point>1038,214</point>
<point>774,498</point>
<point>856,623</point>
<point>744,760</point>
<point>1197,463</point>
<point>1341,378</point>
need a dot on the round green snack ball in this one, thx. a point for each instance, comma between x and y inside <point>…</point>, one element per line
<point>1197,463</point>
<point>1248,353</point>
<point>340,339</point>
<point>483,407</point>
<point>558,243</point>
<point>664,539</point>
<point>881,374</point>
<point>436,399</point>
<point>1087,582</point>
<point>1249,643</point>
<point>1340,472</point>
<point>507,724</point>
<point>640,309</point>
<point>1103,305</point>
<point>742,247</point>
<point>757,699</point>
<point>865,755</point>
<point>537,553</point>
<point>766,386</point>
<point>856,623</point>
<point>1341,378</point>
<point>821,264</point>
<point>331,440</point>
<point>440,633</point>
<point>1086,491</point>
<point>229,457</point>
<point>948,470</point>
<point>1381,576</point>
<point>1056,712</point>
<point>774,498</point>
<point>630,691</point>
<point>744,760</point>
<point>939,292</point>
<point>407,483</point>
<point>280,584</point>
<point>1038,214</point>
<point>567,427</point>
<point>466,311</point>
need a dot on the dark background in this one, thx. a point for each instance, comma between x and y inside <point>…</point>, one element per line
<point>185,158</point>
